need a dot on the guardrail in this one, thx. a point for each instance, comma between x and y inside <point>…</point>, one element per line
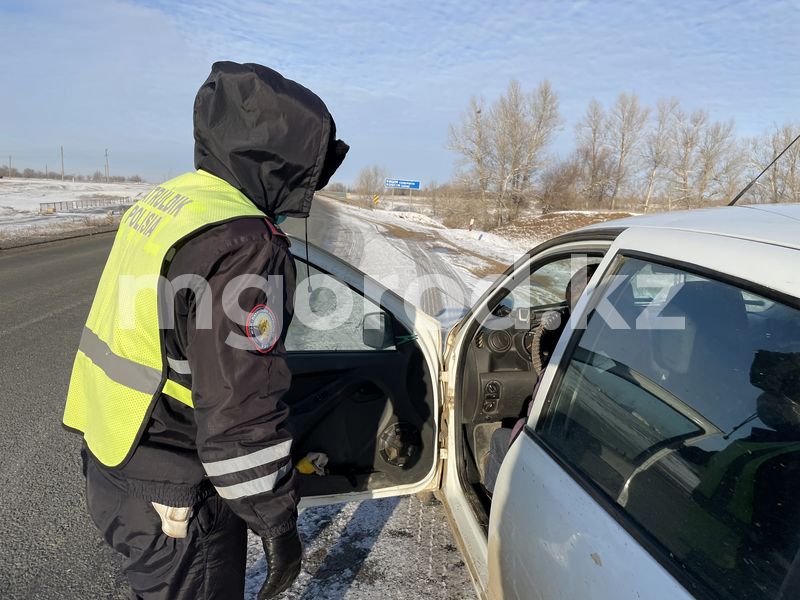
<point>49,208</point>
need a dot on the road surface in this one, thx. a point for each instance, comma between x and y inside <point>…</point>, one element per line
<point>50,549</point>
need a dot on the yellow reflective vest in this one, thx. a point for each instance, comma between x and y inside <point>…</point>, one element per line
<point>121,368</point>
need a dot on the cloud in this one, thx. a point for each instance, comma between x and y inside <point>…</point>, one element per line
<point>393,73</point>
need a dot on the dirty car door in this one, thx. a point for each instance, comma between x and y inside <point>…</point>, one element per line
<point>365,385</point>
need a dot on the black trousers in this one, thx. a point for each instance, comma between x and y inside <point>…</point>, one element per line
<point>208,564</point>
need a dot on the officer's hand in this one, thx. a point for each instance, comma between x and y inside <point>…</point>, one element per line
<point>284,555</point>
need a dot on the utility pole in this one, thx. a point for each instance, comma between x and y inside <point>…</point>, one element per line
<point>46,176</point>
<point>9,165</point>
<point>62,163</point>
<point>106,165</point>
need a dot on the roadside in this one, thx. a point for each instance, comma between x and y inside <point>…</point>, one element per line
<point>49,234</point>
<point>34,211</point>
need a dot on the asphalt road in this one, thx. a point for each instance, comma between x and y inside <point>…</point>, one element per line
<point>48,546</point>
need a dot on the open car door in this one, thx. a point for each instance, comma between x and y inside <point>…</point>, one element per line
<point>364,399</point>
<point>491,375</point>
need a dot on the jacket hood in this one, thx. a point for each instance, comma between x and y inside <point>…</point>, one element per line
<point>269,137</point>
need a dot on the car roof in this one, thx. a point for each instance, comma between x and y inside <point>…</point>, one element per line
<point>777,224</point>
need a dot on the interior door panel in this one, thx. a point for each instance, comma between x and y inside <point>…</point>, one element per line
<point>370,412</point>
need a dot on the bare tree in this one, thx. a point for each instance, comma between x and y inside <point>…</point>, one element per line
<point>657,146</point>
<point>719,163</point>
<point>471,140</point>
<point>370,182</point>
<point>781,183</point>
<point>789,164</point>
<point>688,131</point>
<point>559,185</point>
<point>677,159</point>
<point>541,120</point>
<point>706,163</point>
<point>593,154</point>
<point>503,147</point>
<point>626,121</point>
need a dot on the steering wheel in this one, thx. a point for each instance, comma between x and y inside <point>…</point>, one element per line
<point>549,322</point>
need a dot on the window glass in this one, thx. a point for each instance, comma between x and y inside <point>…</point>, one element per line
<point>547,284</point>
<point>689,420</point>
<point>330,316</point>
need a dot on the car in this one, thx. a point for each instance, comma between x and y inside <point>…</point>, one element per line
<point>659,455</point>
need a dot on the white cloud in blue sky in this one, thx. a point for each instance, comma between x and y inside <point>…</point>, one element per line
<point>122,75</point>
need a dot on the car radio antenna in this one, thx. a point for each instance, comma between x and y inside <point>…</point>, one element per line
<point>774,160</point>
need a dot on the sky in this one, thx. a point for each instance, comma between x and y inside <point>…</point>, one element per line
<point>122,75</point>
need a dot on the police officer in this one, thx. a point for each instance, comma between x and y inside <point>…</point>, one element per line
<point>178,379</point>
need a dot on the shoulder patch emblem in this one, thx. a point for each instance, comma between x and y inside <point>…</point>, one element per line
<point>262,328</point>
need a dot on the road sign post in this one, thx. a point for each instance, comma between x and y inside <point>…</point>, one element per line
<point>402,184</point>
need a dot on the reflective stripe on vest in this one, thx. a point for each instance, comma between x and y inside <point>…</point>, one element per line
<point>121,367</point>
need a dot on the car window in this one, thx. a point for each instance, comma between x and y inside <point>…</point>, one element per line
<point>547,284</point>
<point>329,316</point>
<point>683,408</point>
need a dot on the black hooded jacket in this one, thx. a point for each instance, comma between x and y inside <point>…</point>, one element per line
<point>275,141</point>
<point>269,137</point>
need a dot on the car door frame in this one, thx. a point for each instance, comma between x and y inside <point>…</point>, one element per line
<point>470,533</point>
<point>428,332</point>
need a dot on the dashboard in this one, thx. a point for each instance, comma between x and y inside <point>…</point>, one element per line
<point>499,378</point>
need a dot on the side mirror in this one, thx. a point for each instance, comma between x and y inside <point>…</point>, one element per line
<point>376,331</point>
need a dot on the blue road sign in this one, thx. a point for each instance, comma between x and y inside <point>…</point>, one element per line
<point>403,184</point>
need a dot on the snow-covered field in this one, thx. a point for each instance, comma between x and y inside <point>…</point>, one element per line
<point>20,200</point>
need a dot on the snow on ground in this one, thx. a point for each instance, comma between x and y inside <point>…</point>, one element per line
<point>486,244</point>
<point>389,548</point>
<point>20,199</point>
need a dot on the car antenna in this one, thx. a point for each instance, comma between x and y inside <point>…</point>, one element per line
<point>752,417</point>
<point>774,160</point>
